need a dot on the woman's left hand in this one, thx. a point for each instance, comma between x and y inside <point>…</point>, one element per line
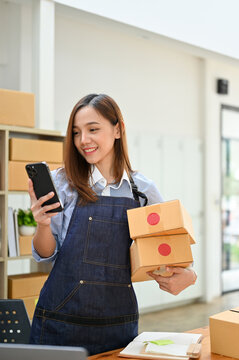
<point>181,278</point>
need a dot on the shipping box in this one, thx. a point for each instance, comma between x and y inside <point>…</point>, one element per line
<point>166,218</point>
<point>17,108</point>
<point>154,253</point>
<point>25,285</point>
<point>224,331</point>
<point>31,150</point>
<point>17,175</point>
<point>25,245</point>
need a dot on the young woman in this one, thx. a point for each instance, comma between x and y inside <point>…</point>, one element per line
<point>88,299</point>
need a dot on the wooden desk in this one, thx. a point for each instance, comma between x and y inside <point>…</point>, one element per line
<point>205,354</point>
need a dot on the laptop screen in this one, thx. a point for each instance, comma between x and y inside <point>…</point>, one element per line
<point>41,352</point>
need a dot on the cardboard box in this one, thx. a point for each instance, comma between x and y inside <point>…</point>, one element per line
<point>17,108</point>
<point>154,253</point>
<point>25,285</point>
<point>31,150</point>
<point>25,245</point>
<point>224,330</point>
<point>17,175</point>
<point>30,304</point>
<point>168,218</point>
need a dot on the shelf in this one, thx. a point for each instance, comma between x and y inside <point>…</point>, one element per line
<point>16,197</point>
<point>18,192</point>
<point>20,129</point>
<point>20,257</point>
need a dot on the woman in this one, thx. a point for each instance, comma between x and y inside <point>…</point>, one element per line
<point>88,299</point>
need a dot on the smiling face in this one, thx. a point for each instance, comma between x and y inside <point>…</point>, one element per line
<point>94,137</point>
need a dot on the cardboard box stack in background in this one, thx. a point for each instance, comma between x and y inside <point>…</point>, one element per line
<point>26,287</point>
<point>17,108</point>
<point>224,330</point>
<point>162,235</point>
<point>23,151</point>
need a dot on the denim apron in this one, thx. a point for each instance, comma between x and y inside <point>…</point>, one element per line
<point>88,299</point>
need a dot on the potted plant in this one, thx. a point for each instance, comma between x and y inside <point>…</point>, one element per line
<point>26,222</point>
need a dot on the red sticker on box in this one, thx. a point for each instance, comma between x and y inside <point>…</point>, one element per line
<point>164,249</point>
<point>153,219</point>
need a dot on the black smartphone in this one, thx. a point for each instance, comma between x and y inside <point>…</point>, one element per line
<point>43,183</point>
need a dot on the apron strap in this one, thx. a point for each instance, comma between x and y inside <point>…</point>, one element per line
<point>137,193</point>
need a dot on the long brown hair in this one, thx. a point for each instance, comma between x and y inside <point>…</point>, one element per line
<point>76,167</point>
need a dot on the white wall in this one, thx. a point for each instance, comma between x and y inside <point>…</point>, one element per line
<point>213,71</point>
<point>9,45</point>
<point>211,25</point>
<point>156,87</point>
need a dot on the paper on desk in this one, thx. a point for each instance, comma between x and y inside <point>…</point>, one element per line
<point>179,338</point>
<point>177,350</point>
<point>172,349</point>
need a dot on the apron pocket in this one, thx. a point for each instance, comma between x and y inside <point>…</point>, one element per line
<point>100,300</point>
<point>104,245</point>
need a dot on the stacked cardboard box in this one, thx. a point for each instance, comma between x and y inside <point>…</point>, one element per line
<point>224,330</point>
<point>26,287</point>
<point>18,109</point>
<point>162,235</point>
<point>23,151</point>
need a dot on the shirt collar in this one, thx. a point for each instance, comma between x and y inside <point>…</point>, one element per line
<point>97,178</point>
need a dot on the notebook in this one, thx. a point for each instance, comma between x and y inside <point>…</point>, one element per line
<point>163,345</point>
<point>40,352</point>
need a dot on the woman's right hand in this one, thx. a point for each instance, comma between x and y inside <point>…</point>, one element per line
<point>40,212</point>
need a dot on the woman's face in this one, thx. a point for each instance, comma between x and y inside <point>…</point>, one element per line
<point>94,137</point>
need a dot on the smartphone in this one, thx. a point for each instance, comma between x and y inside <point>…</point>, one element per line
<point>41,177</point>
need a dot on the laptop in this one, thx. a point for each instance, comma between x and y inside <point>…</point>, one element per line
<point>40,352</point>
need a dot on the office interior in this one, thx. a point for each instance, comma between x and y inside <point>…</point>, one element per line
<point>182,127</point>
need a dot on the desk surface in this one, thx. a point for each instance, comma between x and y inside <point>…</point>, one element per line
<point>205,354</point>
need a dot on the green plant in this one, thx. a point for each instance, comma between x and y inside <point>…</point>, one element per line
<point>25,217</point>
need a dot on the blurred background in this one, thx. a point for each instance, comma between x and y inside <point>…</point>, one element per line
<point>173,68</point>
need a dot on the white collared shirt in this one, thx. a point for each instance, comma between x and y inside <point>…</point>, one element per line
<point>60,222</point>
<point>98,178</point>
